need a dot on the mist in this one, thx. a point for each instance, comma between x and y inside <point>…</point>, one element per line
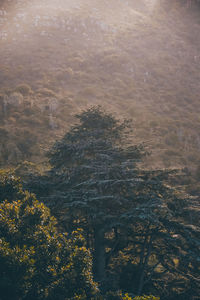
<point>99,149</point>
<point>138,58</point>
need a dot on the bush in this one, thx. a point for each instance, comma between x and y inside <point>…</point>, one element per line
<point>119,296</point>
<point>145,298</point>
<point>23,89</point>
<point>37,262</point>
<point>46,92</point>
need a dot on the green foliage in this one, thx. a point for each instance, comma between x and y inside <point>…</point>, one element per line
<point>147,234</point>
<point>10,186</point>
<point>146,298</point>
<point>27,169</point>
<point>120,296</point>
<point>125,211</point>
<point>93,176</point>
<point>37,262</point>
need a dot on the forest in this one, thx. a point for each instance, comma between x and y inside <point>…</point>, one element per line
<point>99,150</point>
<point>121,231</point>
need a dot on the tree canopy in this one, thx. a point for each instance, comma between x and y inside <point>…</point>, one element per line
<point>133,220</point>
<point>38,262</point>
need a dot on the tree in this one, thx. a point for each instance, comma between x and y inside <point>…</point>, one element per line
<point>94,177</point>
<point>38,262</point>
<point>95,181</point>
<point>10,186</point>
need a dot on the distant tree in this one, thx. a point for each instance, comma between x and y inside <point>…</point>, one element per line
<point>37,262</point>
<point>24,89</point>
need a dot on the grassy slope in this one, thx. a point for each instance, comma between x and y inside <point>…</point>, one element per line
<point>138,61</point>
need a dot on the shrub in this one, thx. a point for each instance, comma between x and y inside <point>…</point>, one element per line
<point>46,92</point>
<point>119,296</point>
<point>37,262</point>
<point>23,89</point>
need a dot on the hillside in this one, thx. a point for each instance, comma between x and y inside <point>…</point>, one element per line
<point>139,59</point>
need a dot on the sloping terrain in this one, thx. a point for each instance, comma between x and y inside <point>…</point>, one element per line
<point>139,59</point>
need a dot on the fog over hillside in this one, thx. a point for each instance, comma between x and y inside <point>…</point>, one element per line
<point>140,59</point>
<point>99,149</point>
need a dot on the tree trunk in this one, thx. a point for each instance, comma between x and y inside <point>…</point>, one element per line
<point>99,255</point>
<point>144,265</point>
